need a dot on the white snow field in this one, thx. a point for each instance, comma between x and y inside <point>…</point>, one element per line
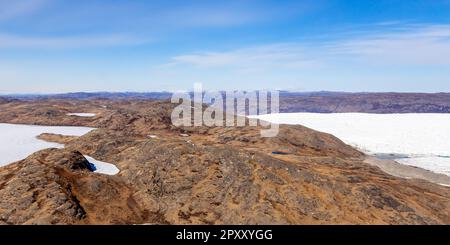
<point>423,138</point>
<point>81,114</point>
<point>19,141</point>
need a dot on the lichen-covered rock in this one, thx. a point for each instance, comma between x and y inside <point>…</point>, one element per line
<point>215,175</point>
<point>56,187</point>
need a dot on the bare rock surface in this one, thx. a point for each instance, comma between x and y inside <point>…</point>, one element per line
<point>212,175</point>
<point>56,186</point>
<point>366,102</point>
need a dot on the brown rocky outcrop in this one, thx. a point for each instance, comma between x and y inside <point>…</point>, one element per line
<point>203,175</point>
<point>366,102</point>
<point>56,187</point>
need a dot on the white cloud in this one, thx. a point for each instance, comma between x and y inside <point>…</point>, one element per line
<point>402,45</point>
<point>205,17</point>
<point>13,41</point>
<point>284,55</point>
<point>413,45</point>
<point>230,13</point>
<point>15,8</point>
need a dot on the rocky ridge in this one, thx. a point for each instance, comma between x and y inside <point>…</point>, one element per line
<point>199,175</point>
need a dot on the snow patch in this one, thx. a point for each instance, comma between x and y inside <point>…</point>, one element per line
<point>103,167</point>
<point>81,114</point>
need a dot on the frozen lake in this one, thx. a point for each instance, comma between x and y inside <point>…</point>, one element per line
<point>19,141</point>
<point>421,140</point>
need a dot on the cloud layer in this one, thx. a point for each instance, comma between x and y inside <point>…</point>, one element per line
<point>413,45</point>
<point>15,8</point>
<point>13,41</point>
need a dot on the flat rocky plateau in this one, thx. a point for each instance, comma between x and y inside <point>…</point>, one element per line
<point>198,175</point>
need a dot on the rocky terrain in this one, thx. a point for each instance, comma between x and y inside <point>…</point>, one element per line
<point>199,175</point>
<point>366,102</point>
<point>321,102</point>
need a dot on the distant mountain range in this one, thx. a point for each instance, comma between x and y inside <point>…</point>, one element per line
<point>319,102</point>
<point>367,103</point>
<point>93,95</point>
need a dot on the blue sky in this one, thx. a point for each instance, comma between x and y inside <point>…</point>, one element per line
<point>337,45</point>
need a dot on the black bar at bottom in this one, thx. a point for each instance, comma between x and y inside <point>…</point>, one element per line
<point>223,234</point>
